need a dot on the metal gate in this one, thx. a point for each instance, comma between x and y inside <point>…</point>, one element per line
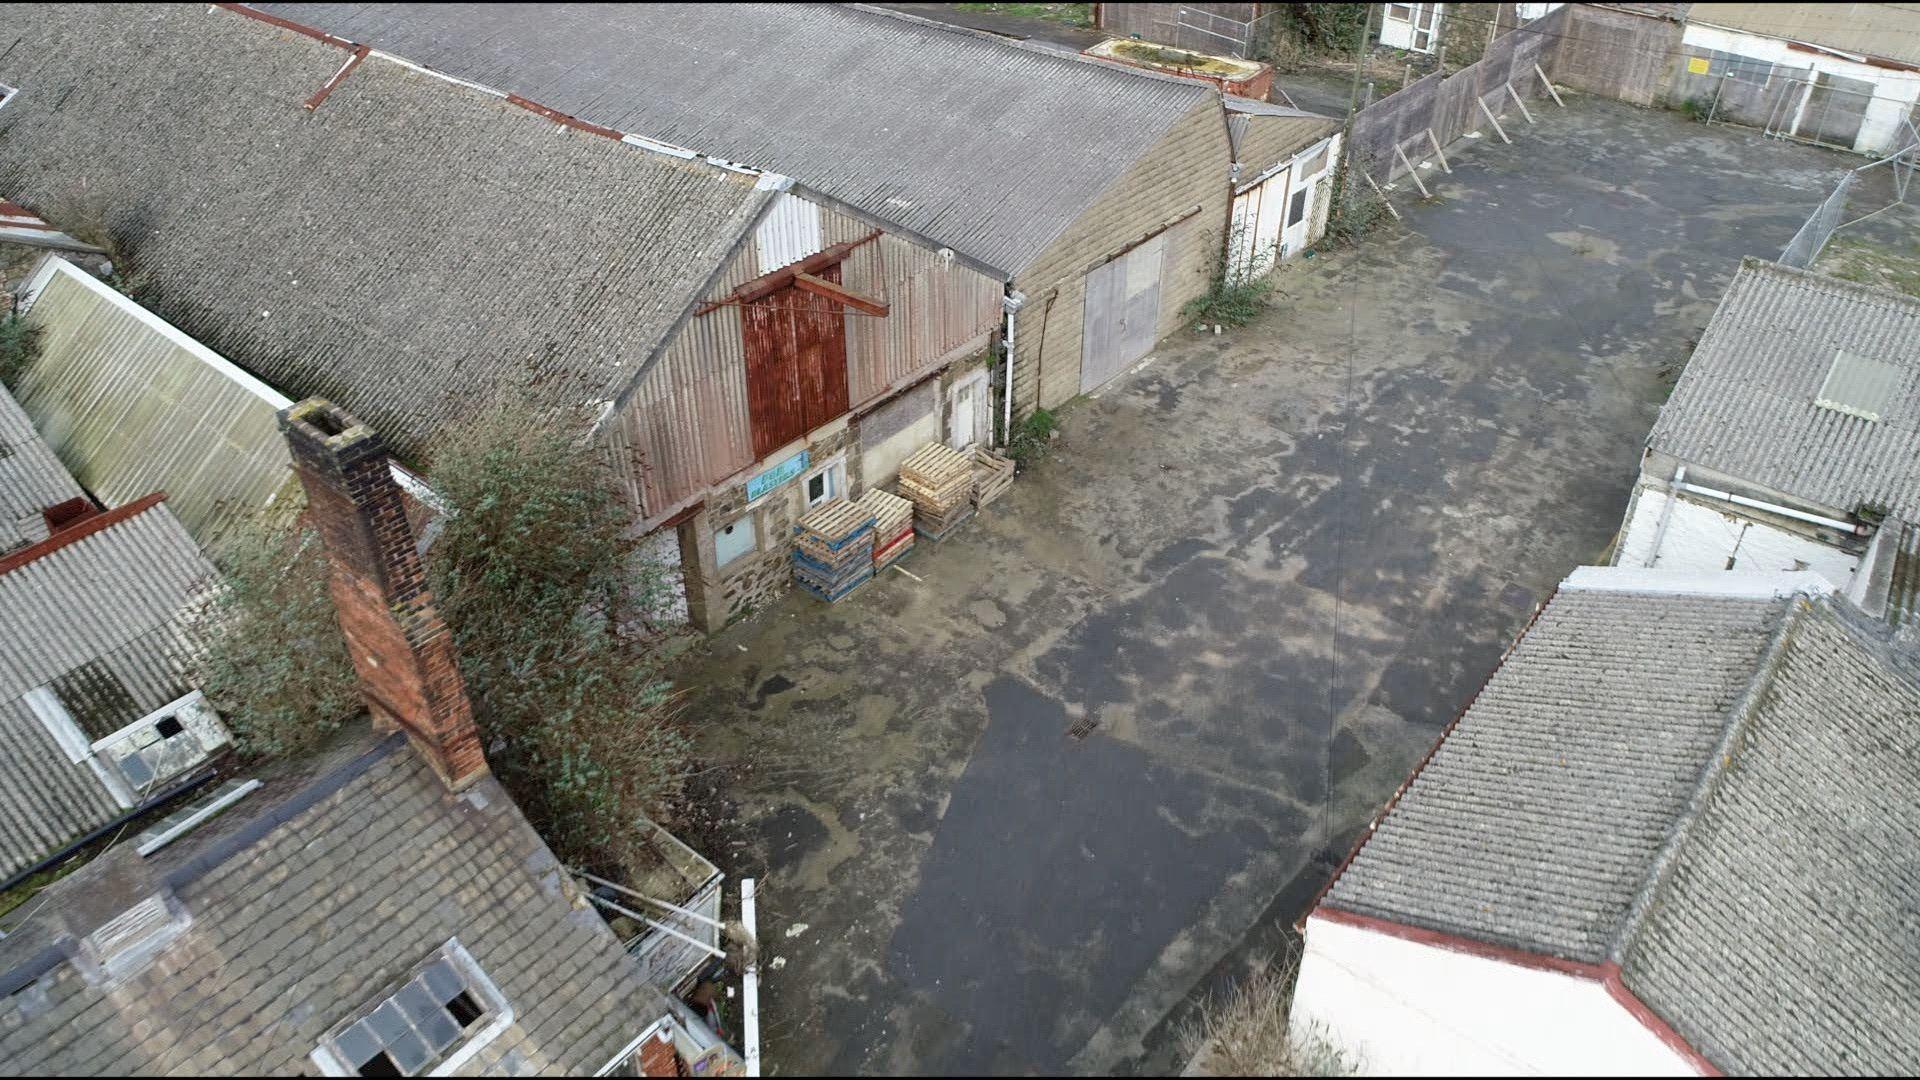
<point>1123,313</point>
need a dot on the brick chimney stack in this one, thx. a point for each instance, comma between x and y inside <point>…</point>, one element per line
<point>400,647</point>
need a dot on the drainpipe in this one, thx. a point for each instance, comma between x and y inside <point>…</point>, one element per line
<point>1011,302</point>
<point>1854,528</point>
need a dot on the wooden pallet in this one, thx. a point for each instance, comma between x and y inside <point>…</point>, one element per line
<point>937,529</point>
<point>835,524</point>
<point>891,514</point>
<point>937,478</point>
<point>992,475</point>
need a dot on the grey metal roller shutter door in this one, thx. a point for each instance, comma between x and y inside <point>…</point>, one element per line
<point>1123,313</point>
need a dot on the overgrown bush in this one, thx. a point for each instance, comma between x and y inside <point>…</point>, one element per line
<point>1246,1032</point>
<point>1032,438</point>
<point>275,664</point>
<point>19,345</point>
<point>533,573</point>
<point>1351,214</point>
<point>1322,29</point>
<point>1238,288</point>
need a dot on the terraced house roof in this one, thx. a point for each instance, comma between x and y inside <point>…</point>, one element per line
<point>1763,400</point>
<point>1717,792</point>
<point>313,900</point>
<point>98,617</point>
<point>406,247</point>
<point>982,145</point>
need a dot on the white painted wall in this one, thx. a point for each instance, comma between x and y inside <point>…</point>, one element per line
<point>1406,1008</point>
<point>1702,536</point>
<point>1894,91</point>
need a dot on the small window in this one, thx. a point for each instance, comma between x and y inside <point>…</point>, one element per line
<point>733,540</point>
<point>1402,12</point>
<point>824,484</point>
<point>169,726</point>
<point>438,1018</point>
<point>1297,210</point>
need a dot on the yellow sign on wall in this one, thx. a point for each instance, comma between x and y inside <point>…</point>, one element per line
<point>1698,64</point>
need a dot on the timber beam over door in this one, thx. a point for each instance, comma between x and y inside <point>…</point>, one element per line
<point>769,283</point>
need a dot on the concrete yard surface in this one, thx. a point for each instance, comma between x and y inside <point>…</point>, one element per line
<point>1019,814</point>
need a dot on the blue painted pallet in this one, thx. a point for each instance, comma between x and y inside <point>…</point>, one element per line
<point>842,593</point>
<point>854,559</point>
<point>835,545</point>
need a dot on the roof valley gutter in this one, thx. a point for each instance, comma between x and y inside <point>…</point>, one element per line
<point>185,787</point>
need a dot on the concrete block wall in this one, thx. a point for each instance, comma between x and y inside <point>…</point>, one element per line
<point>1189,166</point>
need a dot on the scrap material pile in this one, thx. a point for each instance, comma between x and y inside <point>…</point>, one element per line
<point>992,475</point>
<point>892,526</point>
<point>833,549</point>
<point>939,480</point>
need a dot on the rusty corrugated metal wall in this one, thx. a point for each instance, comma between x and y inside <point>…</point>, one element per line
<point>687,426</point>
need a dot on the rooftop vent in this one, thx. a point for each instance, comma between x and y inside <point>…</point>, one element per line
<point>1859,386</point>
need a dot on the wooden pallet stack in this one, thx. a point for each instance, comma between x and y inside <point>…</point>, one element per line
<point>833,549</point>
<point>939,480</point>
<point>892,526</point>
<point>992,475</point>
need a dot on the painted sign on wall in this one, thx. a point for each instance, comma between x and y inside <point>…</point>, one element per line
<point>776,476</point>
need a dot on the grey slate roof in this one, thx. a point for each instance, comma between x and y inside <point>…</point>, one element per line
<point>1535,821</point>
<point>1745,403</point>
<point>985,146</point>
<point>309,900</point>
<point>405,249</point>
<point>117,603</point>
<point>1719,794</point>
<point>31,478</point>
<point>1783,938</point>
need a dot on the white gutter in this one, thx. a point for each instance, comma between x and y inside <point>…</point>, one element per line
<point>750,981</point>
<point>1771,508</point>
<point>1011,302</point>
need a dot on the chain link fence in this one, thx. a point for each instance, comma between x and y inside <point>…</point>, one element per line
<point>1831,215</point>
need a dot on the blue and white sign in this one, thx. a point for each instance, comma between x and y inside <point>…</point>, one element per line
<point>776,476</point>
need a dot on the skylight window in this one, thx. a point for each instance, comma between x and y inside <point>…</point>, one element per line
<point>442,1015</point>
<point>1859,386</point>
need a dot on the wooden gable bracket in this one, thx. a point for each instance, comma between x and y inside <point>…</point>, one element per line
<point>837,292</point>
<point>770,283</point>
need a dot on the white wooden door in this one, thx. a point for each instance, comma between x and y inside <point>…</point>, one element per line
<point>1415,27</point>
<point>963,418</point>
<point>1299,212</point>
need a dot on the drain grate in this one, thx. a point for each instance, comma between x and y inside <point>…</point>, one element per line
<point>1082,728</point>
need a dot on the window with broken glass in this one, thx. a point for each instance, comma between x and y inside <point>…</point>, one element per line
<point>446,1009</point>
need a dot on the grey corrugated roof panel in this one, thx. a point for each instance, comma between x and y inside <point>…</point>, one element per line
<point>408,248</point>
<point>1746,405</point>
<point>1891,31</point>
<point>1534,823</point>
<point>118,604</point>
<point>31,478</point>
<point>1781,938</point>
<point>1268,108</point>
<point>310,900</point>
<point>987,147</point>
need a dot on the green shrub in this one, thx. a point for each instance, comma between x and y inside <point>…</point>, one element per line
<point>19,345</point>
<point>1237,290</point>
<point>276,666</point>
<point>1032,438</point>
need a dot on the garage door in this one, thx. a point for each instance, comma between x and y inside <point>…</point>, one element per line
<point>1123,312</point>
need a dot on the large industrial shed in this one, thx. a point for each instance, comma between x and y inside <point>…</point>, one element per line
<point>339,223</point>
<point>1099,193</point>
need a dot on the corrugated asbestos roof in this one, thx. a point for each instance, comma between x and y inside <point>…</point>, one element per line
<point>405,249</point>
<point>31,478</point>
<point>1535,822</point>
<point>114,604</point>
<point>1783,938</point>
<point>134,406</point>
<point>982,145</point>
<point>311,899</point>
<point>1718,793</point>
<point>1891,31</point>
<point>1745,405</point>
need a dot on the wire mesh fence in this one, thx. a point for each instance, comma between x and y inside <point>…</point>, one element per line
<point>1832,213</point>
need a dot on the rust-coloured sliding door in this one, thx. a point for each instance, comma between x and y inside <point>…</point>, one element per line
<point>796,344</point>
